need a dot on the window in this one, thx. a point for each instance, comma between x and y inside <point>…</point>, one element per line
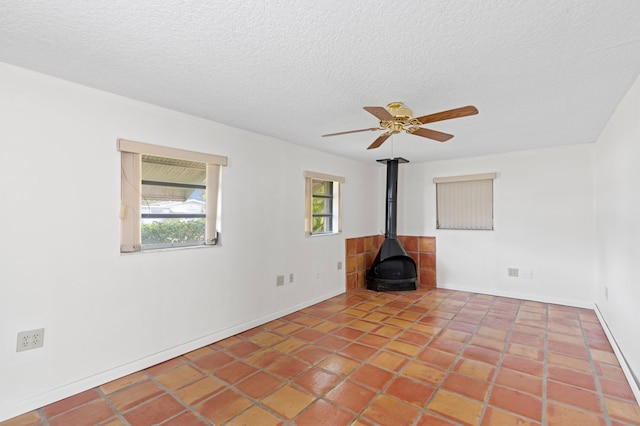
<point>465,202</point>
<point>322,203</point>
<point>170,197</point>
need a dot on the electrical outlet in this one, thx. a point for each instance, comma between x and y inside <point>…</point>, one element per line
<point>30,340</point>
<point>280,280</point>
<point>339,266</point>
<point>291,277</point>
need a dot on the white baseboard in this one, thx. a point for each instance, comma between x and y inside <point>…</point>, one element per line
<point>519,295</point>
<point>14,409</point>
<point>623,362</point>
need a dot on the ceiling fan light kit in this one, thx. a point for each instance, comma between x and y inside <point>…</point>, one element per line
<point>396,118</point>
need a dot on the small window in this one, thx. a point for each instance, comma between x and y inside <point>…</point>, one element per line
<point>465,202</point>
<point>322,206</point>
<point>170,197</point>
<point>322,203</point>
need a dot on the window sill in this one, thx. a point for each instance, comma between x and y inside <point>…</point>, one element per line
<point>464,229</point>
<point>166,249</point>
<point>326,234</point>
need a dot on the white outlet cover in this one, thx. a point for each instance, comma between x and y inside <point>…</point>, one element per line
<point>30,339</point>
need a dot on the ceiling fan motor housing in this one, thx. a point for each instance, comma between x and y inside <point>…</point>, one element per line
<point>402,117</point>
<point>399,111</point>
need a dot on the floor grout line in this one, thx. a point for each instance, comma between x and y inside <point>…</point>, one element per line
<point>596,378</point>
<point>505,348</point>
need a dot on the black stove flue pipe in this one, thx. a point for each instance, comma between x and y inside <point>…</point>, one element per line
<point>393,269</point>
<point>391,217</point>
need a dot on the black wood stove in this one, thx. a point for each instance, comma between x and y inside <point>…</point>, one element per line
<point>393,269</point>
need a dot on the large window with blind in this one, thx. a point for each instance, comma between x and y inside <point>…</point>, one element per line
<point>170,197</point>
<point>465,202</point>
<point>322,203</point>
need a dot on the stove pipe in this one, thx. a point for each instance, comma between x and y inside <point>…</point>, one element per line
<point>393,269</point>
<point>392,199</point>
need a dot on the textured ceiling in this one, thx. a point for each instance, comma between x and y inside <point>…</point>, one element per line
<point>542,73</point>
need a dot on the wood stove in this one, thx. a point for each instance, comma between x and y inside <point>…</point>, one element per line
<point>392,269</point>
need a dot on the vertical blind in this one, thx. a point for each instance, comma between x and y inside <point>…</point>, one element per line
<point>130,193</point>
<point>465,202</point>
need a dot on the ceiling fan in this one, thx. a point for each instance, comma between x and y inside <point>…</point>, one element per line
<point>396,118</point>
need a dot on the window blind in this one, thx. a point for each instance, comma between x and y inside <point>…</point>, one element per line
<point>131,190</point>
<point>465,202</point>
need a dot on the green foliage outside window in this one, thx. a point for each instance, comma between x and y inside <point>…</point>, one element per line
<point>322,206</point>
<point>318,225</point>
<point>173,231</point>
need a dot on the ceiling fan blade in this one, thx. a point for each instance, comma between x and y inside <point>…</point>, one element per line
<point>431,134</point>
<point>379,141</point>
<point>381,113</point>
<point>447,115</point>
<point>353,131</point>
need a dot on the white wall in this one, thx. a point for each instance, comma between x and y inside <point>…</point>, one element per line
<point>543,216</point>
<point>106,314</point>
<point>618,226</point>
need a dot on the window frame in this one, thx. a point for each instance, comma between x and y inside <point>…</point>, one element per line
<point>328,208</point>
<point>131,190</point>
<point>478,215</point>
<point>336,202</point>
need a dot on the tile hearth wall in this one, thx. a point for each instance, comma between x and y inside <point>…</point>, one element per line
<point>362,251</point>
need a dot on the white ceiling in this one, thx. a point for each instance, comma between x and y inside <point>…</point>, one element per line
<point>542,73</point>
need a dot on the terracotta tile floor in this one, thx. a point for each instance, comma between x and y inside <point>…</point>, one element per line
<point>428,357</point>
